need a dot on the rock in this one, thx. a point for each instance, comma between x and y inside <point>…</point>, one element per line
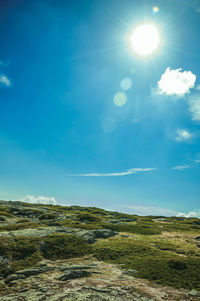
<point>91,235</point>
<point>129,272</point>
<point>77,267</point>
<point>13,277</point>
<point>73,274</point>
<point>104,233</point>
<point>34,271</point>
<point>39,232</point>
<point>197,238</point>
<point>194,293</point>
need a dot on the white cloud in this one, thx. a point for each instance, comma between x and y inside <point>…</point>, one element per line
<point>197,161</point>
<point>194,107</point>
<point>183,135</point>
<point>123,173</point>
<point>189,214</point>
<point>181,167</point>
<point>4,80</point>
<point>38,200</point>
<point>176,82</point>
<point>145,210</point>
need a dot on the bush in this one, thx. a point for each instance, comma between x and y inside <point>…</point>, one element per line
<point>21,226</point>
<point>4,213</point>
<point>87,217</point>
<point>47,216</point>
<point>61,246</point>
<point>139,228</point>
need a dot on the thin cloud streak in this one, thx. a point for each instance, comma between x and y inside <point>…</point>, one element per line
<point>115,174</point>
<point>181,167</point>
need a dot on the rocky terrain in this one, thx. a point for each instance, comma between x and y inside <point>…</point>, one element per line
<point>85,253</point>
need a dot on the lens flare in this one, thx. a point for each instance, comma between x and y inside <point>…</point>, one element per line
<point>156,9</point>
<point>120,99</point>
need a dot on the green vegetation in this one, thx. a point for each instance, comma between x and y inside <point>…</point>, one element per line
<point>166,268</point>
<point>87,217</point>
<point>47,216</point>
<point>138,228</point>
<point>61,246</point>
<point>19,252</point>
<point>5,213</point>
<point>20,226</point>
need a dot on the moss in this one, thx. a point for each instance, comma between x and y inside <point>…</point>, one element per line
<point>61,246</point>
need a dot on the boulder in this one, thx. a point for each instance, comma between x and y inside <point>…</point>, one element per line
<point>91,235</point>
<point>194,293</point>
<point>73,274</point>
<point>77,267</point>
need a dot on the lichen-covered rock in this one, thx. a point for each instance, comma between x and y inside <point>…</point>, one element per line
<point>34,271</point>
<point>73,274</point>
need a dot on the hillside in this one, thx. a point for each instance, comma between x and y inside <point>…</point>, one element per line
<point>85,253</point>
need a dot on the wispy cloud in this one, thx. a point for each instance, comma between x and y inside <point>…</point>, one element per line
<point>38,200</point>
<point>4,80</point>
<point>147,210</point>
<point>115,174</point>
<point>183,135</point>
<point>194,107</point>
<point>181,167</point>
<point>176,82</point>
<point>189,214</point>
<point>197,161</point>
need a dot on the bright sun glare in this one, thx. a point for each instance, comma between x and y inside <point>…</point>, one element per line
<point>145,39</point>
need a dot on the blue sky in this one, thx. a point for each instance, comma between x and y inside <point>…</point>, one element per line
<point>65,133</point>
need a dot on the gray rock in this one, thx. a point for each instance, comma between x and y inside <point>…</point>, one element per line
<point>194,293</point>
<point>39,232</point>
<point>34,271</point>
<point>91,235</point>
<point>73,274</point>
<point>129,272</point>
<point>77,267</point>
<point>197,238</point>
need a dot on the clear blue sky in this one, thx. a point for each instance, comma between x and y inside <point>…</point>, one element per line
<point>62,135</point>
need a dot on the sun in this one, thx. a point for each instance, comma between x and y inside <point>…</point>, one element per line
<point>145,39</point>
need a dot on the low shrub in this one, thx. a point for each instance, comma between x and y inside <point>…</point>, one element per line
<point>47,216</point>
<point>61,246</point>
<point>87,217</point>
<point>4,213</point>
<point>21,226</point>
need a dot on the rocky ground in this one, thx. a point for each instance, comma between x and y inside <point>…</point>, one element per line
<point>84,277</point>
